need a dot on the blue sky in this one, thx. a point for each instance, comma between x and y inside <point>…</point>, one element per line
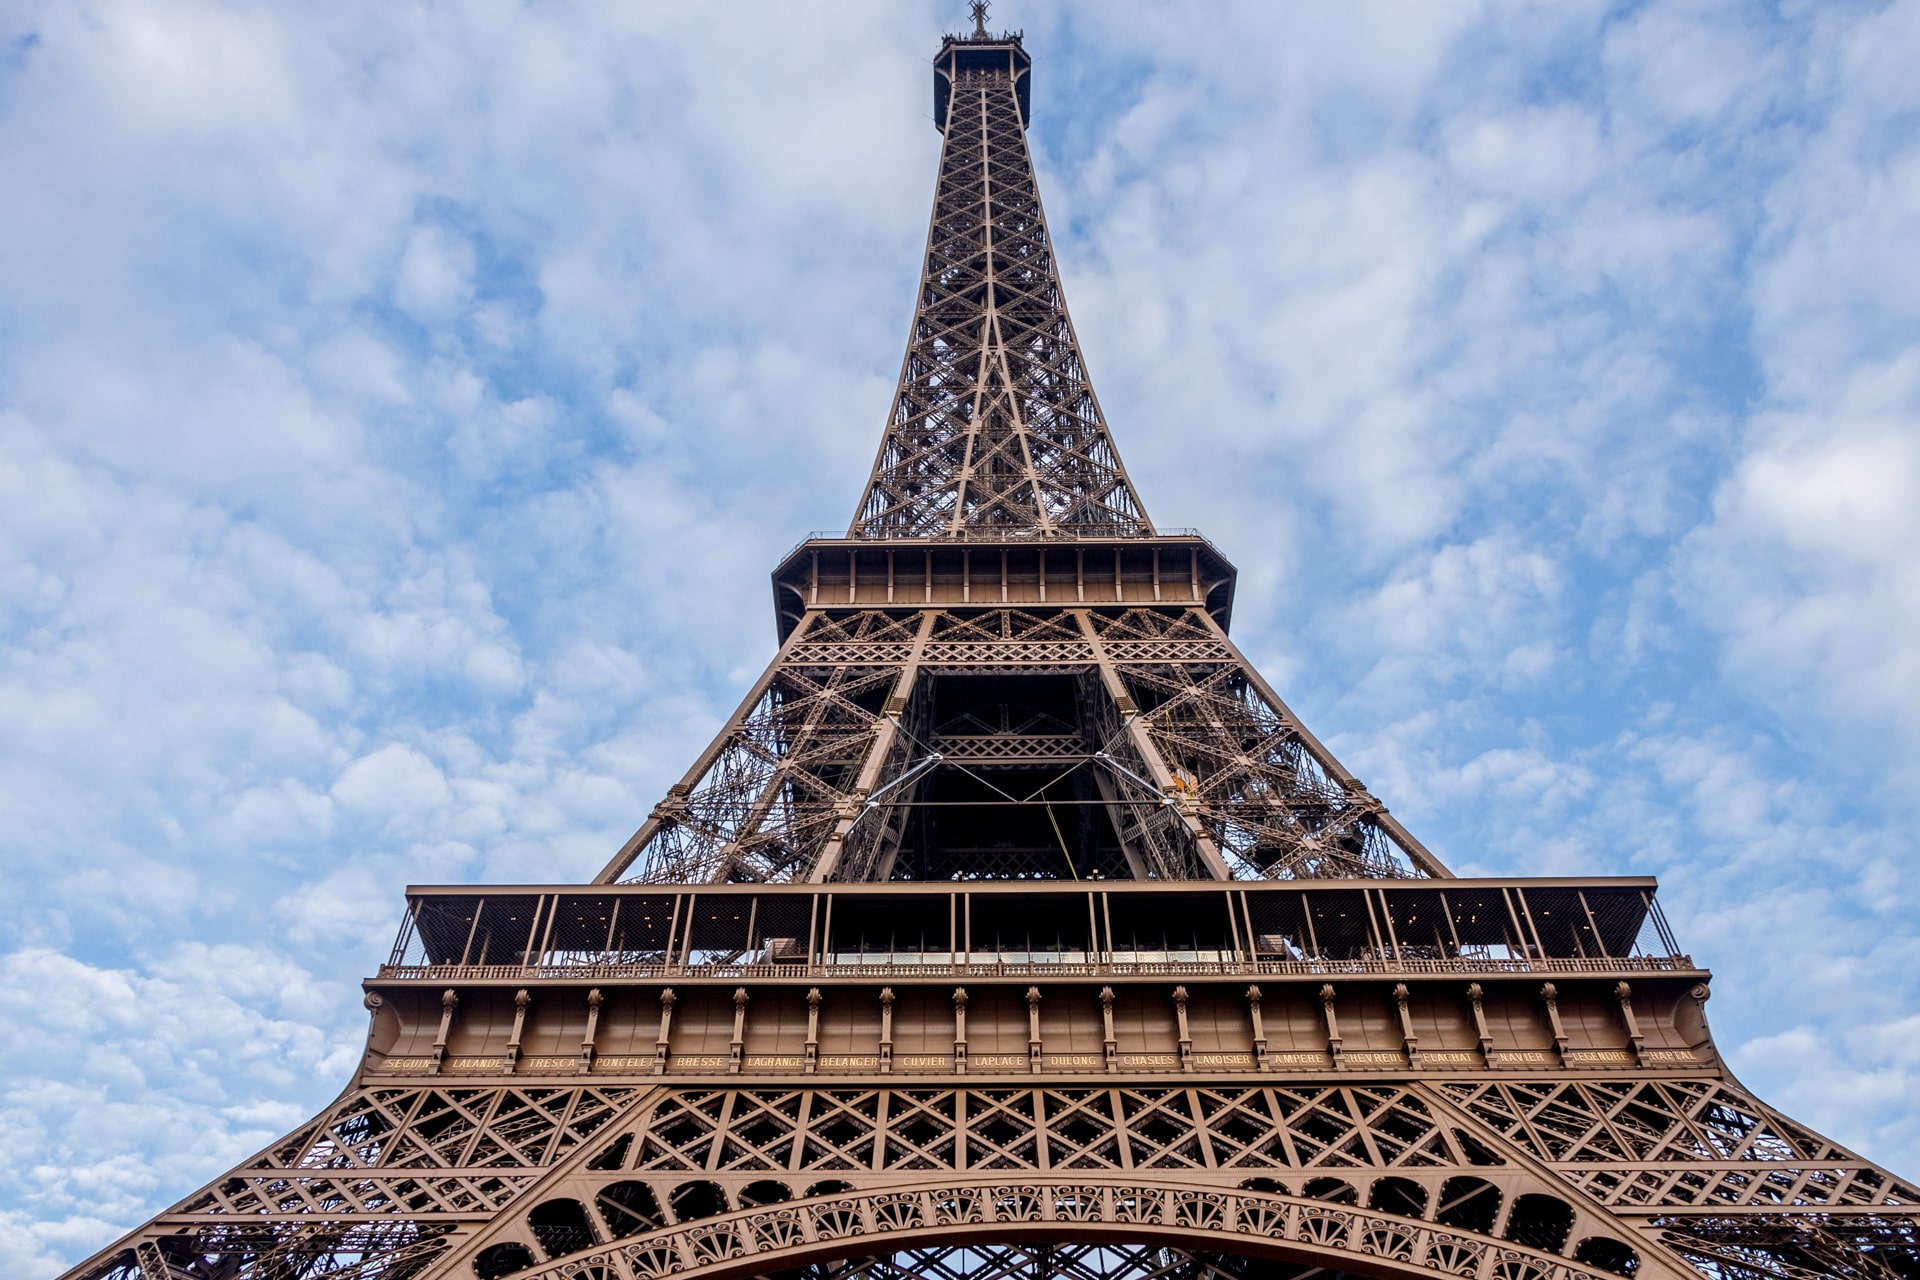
<point>401,405</point>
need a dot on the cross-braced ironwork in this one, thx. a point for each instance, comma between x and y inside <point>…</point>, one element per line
<point>836,763</point>
<point>995,429</point>
<point>1013,927</point>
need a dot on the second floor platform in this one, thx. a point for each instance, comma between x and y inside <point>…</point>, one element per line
<point>1110,930</point>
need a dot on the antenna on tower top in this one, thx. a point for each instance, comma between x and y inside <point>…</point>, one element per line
<point>980,17</point>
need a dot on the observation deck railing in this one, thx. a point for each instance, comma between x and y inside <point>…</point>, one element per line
<point>988,535</point>
<point>1384,967</point>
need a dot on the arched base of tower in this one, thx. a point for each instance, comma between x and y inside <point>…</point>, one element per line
<point>1143,1224</point>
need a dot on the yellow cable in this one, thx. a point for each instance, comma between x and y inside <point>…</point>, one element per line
<point>1062,839</point>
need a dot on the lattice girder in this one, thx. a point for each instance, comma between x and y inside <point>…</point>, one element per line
<point>936,1218</point>
<point>377,1187</point>
<point>762,800</point>
<point>995,424</point>
<point>1194,753</point>
<point>1336,1139</point>
<point>455,1168</point>
<point>1239,1167</point>
<point>1660,1144</point>
<point>1796,1247</point>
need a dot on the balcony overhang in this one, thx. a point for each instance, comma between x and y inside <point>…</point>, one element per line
<point>994,571</point>
<point>961,55</point>
<point>1120,930</point>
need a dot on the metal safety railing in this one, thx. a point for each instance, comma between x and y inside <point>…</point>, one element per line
<point>988,535</point>
<point>975,968</point>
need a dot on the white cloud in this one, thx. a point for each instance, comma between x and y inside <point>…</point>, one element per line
<point>392,780</point>
<point>207,1052</point>
<point>435,280</point>
<point>1484,605</point>
<point>1806,567</point>
<point>1538,154</point>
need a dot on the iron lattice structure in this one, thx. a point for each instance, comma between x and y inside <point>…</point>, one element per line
<point>995,429</point>
<point>1014,927</point>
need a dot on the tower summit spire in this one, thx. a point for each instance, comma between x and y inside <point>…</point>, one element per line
<point>1013,926</point>
<point>995,429</point>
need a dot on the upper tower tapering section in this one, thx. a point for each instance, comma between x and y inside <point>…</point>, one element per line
<point>995,432</point>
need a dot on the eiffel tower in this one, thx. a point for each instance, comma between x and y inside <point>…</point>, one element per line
<point>1014,927</point>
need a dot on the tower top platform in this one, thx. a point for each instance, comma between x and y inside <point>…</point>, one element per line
<point>981,54</point>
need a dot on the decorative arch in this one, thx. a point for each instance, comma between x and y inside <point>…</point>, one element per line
<point>1401,1196</point>
<point>1469,1204</point>
<point>629,1209</point>
<point>1541,1221</point>
<point>508,1259</point>
<point>1331,1190</point>
<point>765,1192</point>
<point>956,1210</point>
<point>697,1200</point>
<point>1604,1253</point>
<point>561,1226</point>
